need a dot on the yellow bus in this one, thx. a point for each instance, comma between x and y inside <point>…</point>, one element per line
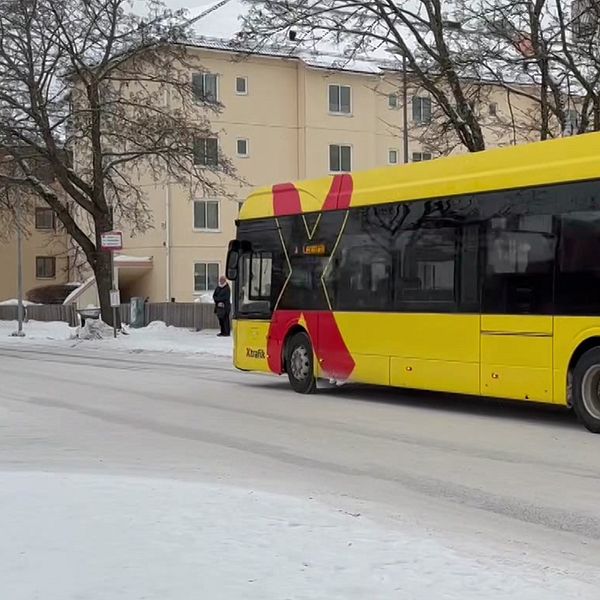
<point>473,274</point>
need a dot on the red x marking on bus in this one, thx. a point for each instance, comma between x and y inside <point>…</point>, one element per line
<point>329,346</point>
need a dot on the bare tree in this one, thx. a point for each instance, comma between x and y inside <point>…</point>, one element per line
<point>422,32</point>
<point>549,53</point>
<point>103,98</point>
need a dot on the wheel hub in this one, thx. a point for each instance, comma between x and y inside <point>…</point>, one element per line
<point>300,363</point>
<point>590,391</point>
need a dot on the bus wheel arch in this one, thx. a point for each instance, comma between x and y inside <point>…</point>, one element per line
<point>584,380</point>
<point>298,360</point>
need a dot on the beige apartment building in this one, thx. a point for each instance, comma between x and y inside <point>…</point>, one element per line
<point>45,253</point>
<point>284,118</point>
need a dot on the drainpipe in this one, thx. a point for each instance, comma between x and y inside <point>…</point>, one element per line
<point>168,240</point>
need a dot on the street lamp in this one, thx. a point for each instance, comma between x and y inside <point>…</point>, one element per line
<point>395,52</point>
<point>404,109</point>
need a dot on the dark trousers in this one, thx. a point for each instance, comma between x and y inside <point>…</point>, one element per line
<point>225,325</point>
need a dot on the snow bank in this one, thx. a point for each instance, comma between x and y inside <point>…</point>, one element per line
<point>38,330</point>
<point>67,536</point>
<point>15,302</point>
<point>156,337</point>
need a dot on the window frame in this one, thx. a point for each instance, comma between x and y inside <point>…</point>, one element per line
<point>340,146</point>
<point>493,109</point>
<point>237,148</point>
<point>207,163</point>
<point>397,161</point>
<point>40,209</point>
<point>37,264</point>
<point>396,104</point>
<point>203,99</point>
<point>206,277</point>
<point>421,154</point>
<point>206,201</point>
<point>243,78</point>
<point>421,100</point>
<point>340,112</point>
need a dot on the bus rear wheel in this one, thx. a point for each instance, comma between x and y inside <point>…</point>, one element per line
<point>300,364</point>
<point>586,389</point>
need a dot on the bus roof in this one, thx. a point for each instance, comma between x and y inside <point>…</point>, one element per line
<point>562,160</point>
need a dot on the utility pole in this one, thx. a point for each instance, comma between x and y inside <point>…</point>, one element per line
<point>20,308</point>
<point>404,108</point>
<point>113,287</point>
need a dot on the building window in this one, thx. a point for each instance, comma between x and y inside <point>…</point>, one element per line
<point>493,109</point>
<point>242,148</point>
<point>339,99</point>
<point>421,156</point>
<point>393,156</point>
<point>206,152</point>
<point>572,122</point>
<point>45,267</point>
<point>241,86</point>
<point>340,158</point>
<point>205,87</point>
<point>206,215</point>
<point>206,276</point>
<point>44,218</point>
<point>421,109</point>
<point>393,101</point>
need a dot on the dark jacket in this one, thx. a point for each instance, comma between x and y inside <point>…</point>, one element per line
<point>222,295</point>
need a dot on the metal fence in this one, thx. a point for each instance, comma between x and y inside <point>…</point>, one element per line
<point>42,312</point>
<point>193,315</point>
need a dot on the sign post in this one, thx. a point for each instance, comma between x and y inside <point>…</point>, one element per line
<point>112,241</point>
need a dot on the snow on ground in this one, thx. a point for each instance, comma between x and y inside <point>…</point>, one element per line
<point>68,536</point>
<point>155,337</point>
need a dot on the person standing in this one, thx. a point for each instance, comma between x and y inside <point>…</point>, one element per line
<point>222,299</point>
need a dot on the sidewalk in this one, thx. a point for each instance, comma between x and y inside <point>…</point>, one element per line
<point>156,337</point>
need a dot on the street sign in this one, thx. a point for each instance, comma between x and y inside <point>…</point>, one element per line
<point>115,298</point>
<point>111,240</point>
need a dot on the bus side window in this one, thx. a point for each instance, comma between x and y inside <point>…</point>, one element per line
<point>578,285</point>
<point>363,278</point>
<point>519,265</point>
<point>425,273</point>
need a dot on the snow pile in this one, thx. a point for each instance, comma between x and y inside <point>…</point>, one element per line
<point>15,302</point>
<point>97,537</point>
<point>205,298</point>
<point>94,329</point>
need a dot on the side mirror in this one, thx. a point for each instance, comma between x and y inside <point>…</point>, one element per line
<point>233,258</point>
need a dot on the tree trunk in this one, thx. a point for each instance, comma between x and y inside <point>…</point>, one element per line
<point>103,274</point>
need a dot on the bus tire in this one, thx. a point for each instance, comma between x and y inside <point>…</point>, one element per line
<point>299,363</point>
<point>586,389</point>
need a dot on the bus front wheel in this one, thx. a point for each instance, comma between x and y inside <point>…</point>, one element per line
<point>586,389</point>
<point>300,364</point>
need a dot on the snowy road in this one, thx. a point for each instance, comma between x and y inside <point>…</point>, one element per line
<point>351,493</point>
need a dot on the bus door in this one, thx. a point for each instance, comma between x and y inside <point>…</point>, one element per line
<point>516,321</point>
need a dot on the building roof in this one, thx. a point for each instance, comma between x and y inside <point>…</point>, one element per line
<point>541,163</point>
<point>218,25</point>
